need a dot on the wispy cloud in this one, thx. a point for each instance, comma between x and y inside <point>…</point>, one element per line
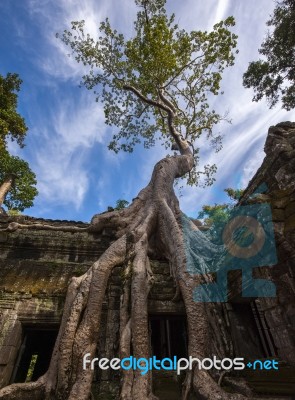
<point>62,150</point>
<point>251,167</point>
<point>55,17</point>
<point>221,11</point>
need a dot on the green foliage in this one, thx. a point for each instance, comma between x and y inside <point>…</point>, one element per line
<point>31,367</point>
<point>219,213</point>
<point>120,204</point>
<point>23,190</point>
<point>161,66</point>
<point>234,194</point>
<point>214,214</point>
<point>274,75</point>
<point>13,212</point>
<point>12,125</point>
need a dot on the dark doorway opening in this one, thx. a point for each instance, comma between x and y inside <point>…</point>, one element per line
<point>34,355</point>
<point>264,331</point>
<point>168,336</point>
<point>250,331</point>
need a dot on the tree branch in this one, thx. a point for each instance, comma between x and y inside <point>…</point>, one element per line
<point>166,101</point>
<point>169,108</point>
<point>146,99</point>
<point>181,69</point>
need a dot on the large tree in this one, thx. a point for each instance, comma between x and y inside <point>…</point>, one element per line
<point>273,76</point>
<point>154,86</point>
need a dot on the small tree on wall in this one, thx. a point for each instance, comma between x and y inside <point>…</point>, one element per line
<point>12,124</point>
<point>17,183</point>
<point>17,180</point>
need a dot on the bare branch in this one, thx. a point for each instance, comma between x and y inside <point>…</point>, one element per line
<point>182,144</point>
<point>183,68</point>
<point>146,99</point>
<point>166,101</point>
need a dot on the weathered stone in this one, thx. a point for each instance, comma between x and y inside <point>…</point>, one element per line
<point>280,203</point>
<point>278,194</point>
<point>278,215</point>
<point>5,354</point>
<point>290,224</point>
<point>290,209</point>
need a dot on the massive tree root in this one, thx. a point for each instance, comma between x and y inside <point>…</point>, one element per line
<point>153,217</point>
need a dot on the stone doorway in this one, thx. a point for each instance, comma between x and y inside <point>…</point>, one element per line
<point>34,354</point>
<point>168,339</point>
<point>168,336</point>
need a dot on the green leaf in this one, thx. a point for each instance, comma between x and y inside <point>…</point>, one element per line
<point>12,125</point>
<point>23,190</point>
<point>273,77</point>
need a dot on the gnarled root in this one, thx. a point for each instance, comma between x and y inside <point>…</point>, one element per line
<point>24,391</point>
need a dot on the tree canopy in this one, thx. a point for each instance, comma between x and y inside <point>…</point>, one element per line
<point>22,190</point>
<point>17,181</point>
<point>157,85</point>
<point>12,124</point>
<point>219,213</point>
<point>273,76</point>
<point>121,204</point>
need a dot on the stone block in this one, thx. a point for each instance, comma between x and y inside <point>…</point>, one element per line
<point>3,237</point>
<point>290,224</point>
<point>278,214</point>
<point>283,337</point>
<point>280,193</point>
<point>5,354</point>
<point>280,203</point>
<point>275,317</point>
<point>14,335</point>
<point>290,209</point>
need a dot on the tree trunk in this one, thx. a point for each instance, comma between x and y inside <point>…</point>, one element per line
<point>5,187</point>
<point>153,214</point>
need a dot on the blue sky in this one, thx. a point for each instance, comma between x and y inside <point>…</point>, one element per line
<point>66,145</point>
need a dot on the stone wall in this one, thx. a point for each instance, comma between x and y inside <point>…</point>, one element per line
<point>35,268</point>
<point>278,173</point>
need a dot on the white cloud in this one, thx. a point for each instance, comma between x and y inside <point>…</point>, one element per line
<point>79,125</point>
<point>62,147</point>
<point>251,167</point>
<point>63,185</point>
<point>221,11</point>
<point>56,17</point>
